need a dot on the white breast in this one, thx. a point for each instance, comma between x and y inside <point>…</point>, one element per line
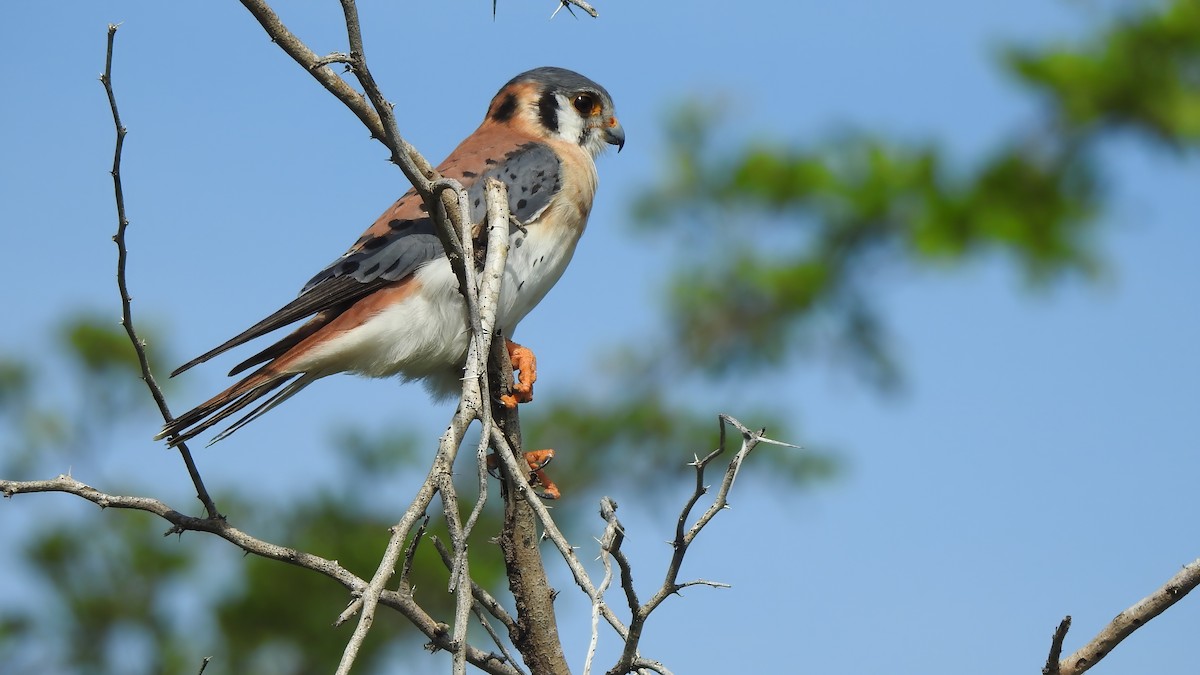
<point>538,256</point>
<point>536,261</point>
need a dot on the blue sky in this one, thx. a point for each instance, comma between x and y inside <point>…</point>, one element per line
<point>1041,461</point>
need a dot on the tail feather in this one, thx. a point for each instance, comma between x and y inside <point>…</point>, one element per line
<point>285,345</point>
<point>293,388</point>
<point>343,305</point>
<point>198,419</point>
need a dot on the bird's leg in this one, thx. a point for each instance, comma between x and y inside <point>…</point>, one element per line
<point>524,361</point>
<point>537,461</point>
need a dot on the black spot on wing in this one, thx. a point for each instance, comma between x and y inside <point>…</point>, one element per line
<point>469,174</point>
<point>532,174</point>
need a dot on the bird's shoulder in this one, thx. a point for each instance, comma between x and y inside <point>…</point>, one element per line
<point>404,238</point>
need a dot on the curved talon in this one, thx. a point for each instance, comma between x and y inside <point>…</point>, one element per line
<point>536,460</point>
<point>549,489</point>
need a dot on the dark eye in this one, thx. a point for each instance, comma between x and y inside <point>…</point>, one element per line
<point>585,104</point>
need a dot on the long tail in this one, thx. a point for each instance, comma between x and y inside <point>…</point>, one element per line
<point>220,407</point>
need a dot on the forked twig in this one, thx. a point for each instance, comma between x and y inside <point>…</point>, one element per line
<point>684,536</point>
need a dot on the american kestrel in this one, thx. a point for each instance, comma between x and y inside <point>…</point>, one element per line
<point>391,305</point>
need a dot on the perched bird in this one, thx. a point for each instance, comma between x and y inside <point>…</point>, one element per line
<point>391,305</point>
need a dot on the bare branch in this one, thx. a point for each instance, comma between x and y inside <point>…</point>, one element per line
<point>409,555</point>
<point>139,346</point>
<point>374,590</point>
<point>485,599</point>
<point>481,311</point>
<point>415,168</point>
<point>610,541</point>
<point>516,473</point>
<point>483,602</point>
<point>487,626</point>
<point>567,3</point>
<point>1128,621</point>
<point>536,634</point>
<point>483,306</point>
<point>382,125</point>
<point>435,631</point>
<point>639,664</point>
<point>684,536</point>
<point>1056,645</point>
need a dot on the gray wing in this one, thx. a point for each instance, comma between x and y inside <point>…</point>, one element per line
<point>532,173</point>
<point>393,250</point>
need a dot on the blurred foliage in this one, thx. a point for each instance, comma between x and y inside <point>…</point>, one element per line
<point>784,245</point>
<point>108,612</point>
<point>124,599</point>
<point>1143,74</point>
<point>792,238</point>
<point>343,521</point>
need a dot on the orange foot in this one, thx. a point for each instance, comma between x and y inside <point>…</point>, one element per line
<point>537,461</point>
<point>524,361</point>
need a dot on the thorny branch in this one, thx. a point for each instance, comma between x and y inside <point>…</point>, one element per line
<point>559,4</point>
<point>437,632</point>
<point>139,346</point>
<point>439,481</point>
<point>568,3</point>
<point>447,200</point>
<point>451,209</point>
<point>483,601</point>
<point>684,536</point>
<point>536,631</point>
<point>415,168</point>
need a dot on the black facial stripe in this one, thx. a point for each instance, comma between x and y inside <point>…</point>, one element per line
<point>548,110</point>
<point>505,110</point>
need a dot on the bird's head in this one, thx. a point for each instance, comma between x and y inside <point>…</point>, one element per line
<point>558,103</point>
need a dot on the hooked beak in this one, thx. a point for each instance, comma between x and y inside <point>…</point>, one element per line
<point>614,134</point>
